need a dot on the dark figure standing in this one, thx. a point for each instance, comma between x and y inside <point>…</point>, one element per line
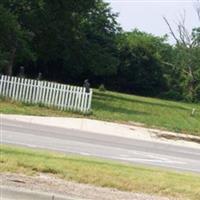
<point>86,85</point>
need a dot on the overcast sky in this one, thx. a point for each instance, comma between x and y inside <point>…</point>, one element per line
<point>147,15</point>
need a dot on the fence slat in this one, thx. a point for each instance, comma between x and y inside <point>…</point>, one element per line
<point>60,96</point>
<point>33,92</point>
<point>2,84</point>
<point>76,99</point>
<point>85,103</point>
<point>50,94</point>
<point>66,98</point>
<point>24,90</point>
<point>30,91</point>
<point>68,104</point>
<point>73,98</point>
<point>6,85</point>
<point>43,92</point>
<point>27,90</point>
<point>47,94</point>
<point>9,86</point>
<point>90,101</point>
<point>57,95</point>
<point>14,88</point>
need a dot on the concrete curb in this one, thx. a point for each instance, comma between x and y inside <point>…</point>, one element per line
<point>11,193</point>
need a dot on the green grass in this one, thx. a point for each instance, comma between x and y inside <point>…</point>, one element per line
<point>110,106</point>
<point>12,107</point>
<point>170,115</point>
<point>100,173</point>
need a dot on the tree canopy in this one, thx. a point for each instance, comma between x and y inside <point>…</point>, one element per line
<point>69,41</point>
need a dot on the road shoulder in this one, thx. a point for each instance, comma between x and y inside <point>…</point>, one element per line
<point>109,128</point>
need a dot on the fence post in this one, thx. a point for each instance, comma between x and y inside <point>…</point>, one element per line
<point>37,92</point>
<point>14,88</point>
<point>34,91</point>
<point>76,98</point>
<point>89,101</point>
<point>61,96</point>
<point>11,87</point>
<point>7,86</point>
<point>66,97</point>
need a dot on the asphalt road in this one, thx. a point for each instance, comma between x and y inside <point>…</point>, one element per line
<point>103,146</point>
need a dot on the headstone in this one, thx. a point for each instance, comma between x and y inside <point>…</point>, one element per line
<point>86,85</point>
<point>21,73</point>
<point>39,76</point>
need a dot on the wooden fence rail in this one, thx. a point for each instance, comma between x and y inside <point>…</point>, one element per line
<point>63,97</point>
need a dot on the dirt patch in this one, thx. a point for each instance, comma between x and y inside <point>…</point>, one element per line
<point>179,137</point>
<point>52,185</point>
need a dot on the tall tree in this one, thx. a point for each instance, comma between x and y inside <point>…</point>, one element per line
<point>100,40</point>
<point>9,36</point>
<point>186,60</point>
<point>69,40</point>
<point>15,38</point>
<point>141,63</point>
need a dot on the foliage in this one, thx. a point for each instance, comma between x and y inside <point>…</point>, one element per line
<point>70,41</point>
<point>184,73</point>
<point>75,36</point>
<point>8,36</point>
<point>141,68</point>
<point>14,39</point>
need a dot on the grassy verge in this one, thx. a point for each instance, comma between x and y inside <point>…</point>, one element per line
<point>110,106</point>
<point>12,107</point>
<point>170,115</point>
<point>101,173</point>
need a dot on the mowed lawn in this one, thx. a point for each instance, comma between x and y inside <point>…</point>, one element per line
<point>117,107</point>
<point>170,115</point>
<point>101,173</point>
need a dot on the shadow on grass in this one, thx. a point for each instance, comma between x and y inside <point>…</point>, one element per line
<point>113,109</point>
<point>106,97</point>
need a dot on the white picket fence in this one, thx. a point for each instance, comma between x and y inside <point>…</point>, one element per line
<point>63,97</point>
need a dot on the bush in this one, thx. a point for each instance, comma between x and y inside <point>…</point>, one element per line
<point>173,95</point>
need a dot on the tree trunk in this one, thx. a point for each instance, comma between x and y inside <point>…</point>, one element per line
<point>191,84</point>
<point>9,67</point>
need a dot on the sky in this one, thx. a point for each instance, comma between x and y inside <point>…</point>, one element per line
<point>147,15</point>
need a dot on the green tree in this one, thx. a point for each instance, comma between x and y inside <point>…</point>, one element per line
<point>69,40</point>
<point>186,60</point>
<point>100,40</point>
<point>142,62</point>
<point>9,34</point>
<point>14,37</point>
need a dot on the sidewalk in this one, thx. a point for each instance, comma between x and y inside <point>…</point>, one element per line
<point>108,128</point>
